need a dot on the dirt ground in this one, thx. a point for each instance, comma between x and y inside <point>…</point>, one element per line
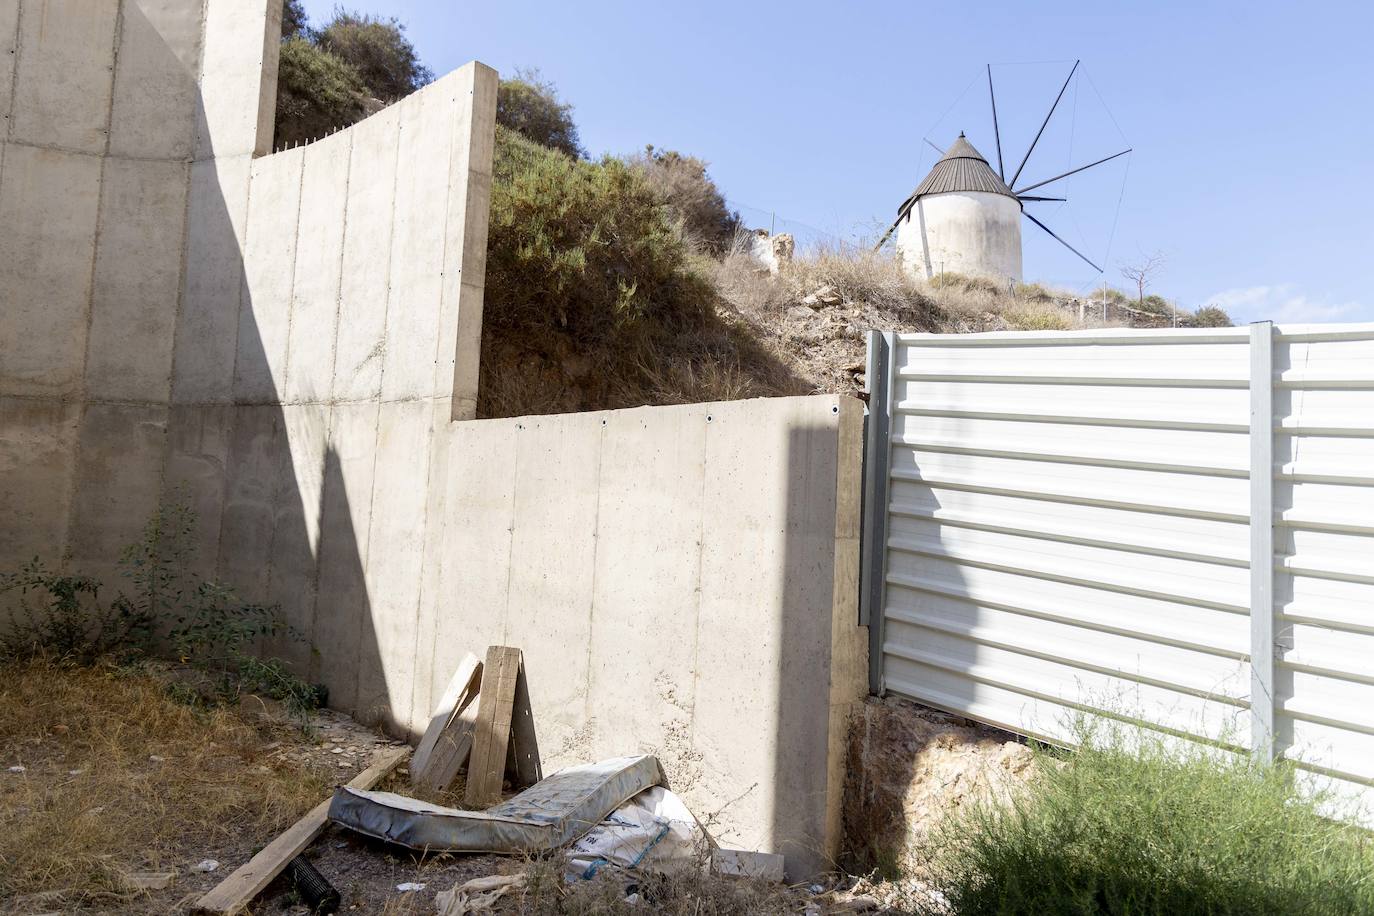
<point>106,776</point>
<point>909,766</point>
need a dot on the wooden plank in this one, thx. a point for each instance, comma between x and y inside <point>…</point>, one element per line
<point>455,743</point>
<point>238,890</point>
<point>523,764</point>
<point>469,669</point>
<point>495,708</point>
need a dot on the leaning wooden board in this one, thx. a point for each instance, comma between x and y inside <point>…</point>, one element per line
<point>460,690</point>
<point>238,890</point>
<point>491,735</point>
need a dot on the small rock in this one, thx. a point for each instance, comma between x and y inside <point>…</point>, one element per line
<point>826,295</point>
<point>799,311</point>
<point>155,758</point>
<point>409,886</point>
<point>75,772</point>
<point>343,764</point>
<point>337,750</point>
<point>60,729</point>
<point>205,865</point>
<point>18,769</point>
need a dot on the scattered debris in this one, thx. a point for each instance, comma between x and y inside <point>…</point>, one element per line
<point>551,814</point>
<point>18,769</point>
<point>765,866</point>
<point>318,893</point>
<point>411,886</point>
<point>477,895</point>
<point>653,830</point>
<point>205,865</point>
<point>236,891</point>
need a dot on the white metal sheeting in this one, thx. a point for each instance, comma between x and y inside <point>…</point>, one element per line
<point>1067,531</point>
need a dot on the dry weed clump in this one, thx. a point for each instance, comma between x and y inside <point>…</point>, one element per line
<point>118,778</point>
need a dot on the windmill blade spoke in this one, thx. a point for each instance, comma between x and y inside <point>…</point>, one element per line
<point>1081,168</point>
<point>996,131</point>
<point>901,215</point>
<point>1046,123</point>
<point>1039,199</point>
<point>1062,242</point>
<point>933,146</point>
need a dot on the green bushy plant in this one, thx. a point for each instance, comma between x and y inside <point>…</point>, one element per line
<point>317,92</point>
<point>1131,825</point>
<point>585,246</point>
<point>377,49</point>
<point>531,106</point>
<point>203,622</point>
<point>695,203</point>
<point>1210,316</point>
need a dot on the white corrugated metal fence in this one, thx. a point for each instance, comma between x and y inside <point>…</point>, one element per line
<point>1065,521</point>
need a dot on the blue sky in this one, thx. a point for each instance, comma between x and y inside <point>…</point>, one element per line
<point>1252,123</point>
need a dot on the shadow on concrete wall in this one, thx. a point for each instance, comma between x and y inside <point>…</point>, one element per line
<point>259,531</point>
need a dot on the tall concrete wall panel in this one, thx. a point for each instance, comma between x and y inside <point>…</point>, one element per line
<point>238,78</point>
<point>198,461</point>
<point>46,253</point>
<point>417,252</point>
<point>118,481</point>
<point>137,272</point>
<point>269,258</point>
<point>207,331</point>
<point>9,44</point>
<point>319,254</point>
<point>465,257</point>
<point>152,115</point>
<point>394,560</point>
<point>366,272</point>
<point>343,625</point>
<point>64,74</point>
<point>37,467</point>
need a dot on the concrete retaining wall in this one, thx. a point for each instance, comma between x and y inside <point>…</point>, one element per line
<point>287,340</point>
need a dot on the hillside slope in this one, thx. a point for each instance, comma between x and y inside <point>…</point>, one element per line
<point>597,299</point>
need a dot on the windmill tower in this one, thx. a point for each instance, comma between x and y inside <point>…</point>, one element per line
<point>962,218</point>
<point>965,218</point>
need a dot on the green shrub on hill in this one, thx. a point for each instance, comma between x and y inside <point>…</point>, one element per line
<point>695,202</point>
<point>1209,316</point>
<point>531,106</point>
<point>585,246</point>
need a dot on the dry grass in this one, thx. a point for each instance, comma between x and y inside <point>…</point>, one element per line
<point>121,778</point>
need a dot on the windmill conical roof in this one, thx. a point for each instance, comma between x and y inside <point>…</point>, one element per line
<point>962,168</point>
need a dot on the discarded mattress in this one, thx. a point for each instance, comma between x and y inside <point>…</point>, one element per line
<point>548,815</point>
<point>652,831</point>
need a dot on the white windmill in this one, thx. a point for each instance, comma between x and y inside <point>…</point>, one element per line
<point>965,218</point>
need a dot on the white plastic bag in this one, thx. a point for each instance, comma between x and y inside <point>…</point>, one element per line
<point>653,830</point>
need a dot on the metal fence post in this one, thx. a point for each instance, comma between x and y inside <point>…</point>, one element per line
<point>877,456</point>
<point>1262,540</point>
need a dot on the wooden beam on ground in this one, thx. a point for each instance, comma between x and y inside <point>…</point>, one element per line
<point>495,709</point>
<point>235,892</point>
<point>523,763</point>
<point>461,691</point>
